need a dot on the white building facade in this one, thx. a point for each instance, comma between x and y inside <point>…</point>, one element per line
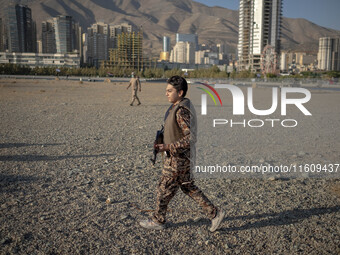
<point>329,54</point>
<point>183,52</point>
<point>259,26</point>
<point>41,59</point>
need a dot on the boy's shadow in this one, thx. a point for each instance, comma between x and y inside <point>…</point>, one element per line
<point>271,219</point>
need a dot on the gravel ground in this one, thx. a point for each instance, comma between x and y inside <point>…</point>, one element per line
<point>66,147</point>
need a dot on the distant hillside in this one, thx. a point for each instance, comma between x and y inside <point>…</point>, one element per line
<point>167,17</point>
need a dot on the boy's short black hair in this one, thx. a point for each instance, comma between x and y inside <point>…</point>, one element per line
<point>179,83</point>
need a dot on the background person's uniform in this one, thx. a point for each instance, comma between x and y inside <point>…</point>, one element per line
<point>135,83</point>
<point>180,134</point>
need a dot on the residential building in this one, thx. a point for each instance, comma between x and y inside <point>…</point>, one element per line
<point>19,29</point>
<point>61,34</point>
<point>223,55</point>
<point>183,52</point>
<point>199,57</point>
<point>100,38</point>
<point>39,46</point>
<point>116,30</point>
<point>85,47</point>
<point>3,36</point>
<point>98,44</point>
<point>259,26</point>
<point>286,59</point>
<point>48,37</point>
<point>329,54</point>
<point>41,59</point>
<point>206,57</point>
<point>297,62</point>
<point>166,44</point>
<point>67,34</point>
<point>193,38</point>
<point>222,48</point>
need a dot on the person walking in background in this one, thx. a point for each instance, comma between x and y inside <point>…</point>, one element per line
<point>136,85</point>
<point>179,147</point>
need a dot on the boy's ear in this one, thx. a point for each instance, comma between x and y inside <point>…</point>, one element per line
<point>180,93</point>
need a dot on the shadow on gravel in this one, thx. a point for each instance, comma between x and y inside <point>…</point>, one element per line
<point>16,178</point>
<point>199,223</point>
<point>17,145</point>
<point>283,218</point>
<point>48,158</point>
<point>277,219</point>
<point>9,183</point>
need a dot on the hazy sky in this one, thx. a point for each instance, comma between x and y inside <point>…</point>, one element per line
<point>325,13</point>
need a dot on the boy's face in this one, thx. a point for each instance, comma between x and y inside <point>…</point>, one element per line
<point>172,94</point>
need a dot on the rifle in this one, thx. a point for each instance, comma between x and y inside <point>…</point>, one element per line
<point>159,140</point>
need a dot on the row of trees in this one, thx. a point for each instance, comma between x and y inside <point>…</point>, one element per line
<point>212,72</point>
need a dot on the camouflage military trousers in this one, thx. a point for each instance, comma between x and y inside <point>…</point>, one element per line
<point>167,188</point>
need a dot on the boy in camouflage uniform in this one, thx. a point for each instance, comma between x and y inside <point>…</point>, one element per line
<point>179,137</point>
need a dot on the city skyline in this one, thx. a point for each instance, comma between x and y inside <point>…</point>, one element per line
<point>298,33</point>
<point>323,13</point>
<point>258,48</point>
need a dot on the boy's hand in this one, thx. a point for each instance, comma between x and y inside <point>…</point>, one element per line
<point>162,147</point>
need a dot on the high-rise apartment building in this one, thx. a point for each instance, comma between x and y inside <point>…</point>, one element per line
<point>61,34</point>
<point>2,35</point>
<point>20,29</point>
<point>116,30</point>
<point>183,52</point>
<point>259,26</point>
<point>200,56</point>
<point>12,29</point>
<point>222,50</point>
<point>85,39</point>
<point>206,57</point>
<point>48,37</point>
<point>98,43</point>
<point>67,34</point>
<point>193,38</point>
<point>166,43</point>
<point>39,46</point>
<point>329,54</point>
<point>100,39</point>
